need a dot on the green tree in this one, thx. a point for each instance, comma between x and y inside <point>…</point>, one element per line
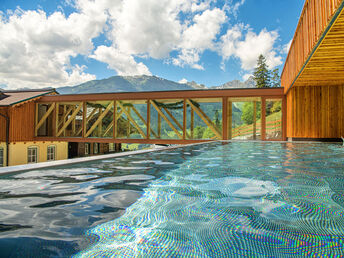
<point>275,78</point>
<point>261,73</point>
<point>247,112</point>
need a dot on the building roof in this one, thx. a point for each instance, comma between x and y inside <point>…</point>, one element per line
<point>13,97</point>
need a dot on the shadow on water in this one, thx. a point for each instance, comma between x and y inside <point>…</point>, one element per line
<point>45,213</point>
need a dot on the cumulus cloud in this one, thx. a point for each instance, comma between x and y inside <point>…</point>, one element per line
<point>37,49</point>
<point>123,63</point>
<point>242,43</point>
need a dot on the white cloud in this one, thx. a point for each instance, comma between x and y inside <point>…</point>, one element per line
<point>35,49</point>
<point>122,63</point>
<point>248,47</point>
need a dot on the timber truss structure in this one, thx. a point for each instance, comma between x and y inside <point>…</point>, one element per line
<point>169,117</point>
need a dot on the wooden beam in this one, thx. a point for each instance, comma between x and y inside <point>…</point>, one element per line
<point>184,119</point>
<point>205,119</point>
<point>115,119</point>
<point>230,120</point>
<point>192,124</point>
<point>148,118</point>
<point>100,119</point>
<point>36,119</point>
<point>254,120</point>
<point>74,125</point>
<point>284,118</point>
<point>57,110</point>
<point>84,119</point>
<point>76,111</point>
<point>263,119</point>
<point>159,126</point>
<point>41,122</point>
<point>132,120</point>
<point>179,94</point>
<point>143,120</point>
<point>65,114</point>
<point>166,119</point>
<point>176,121</point>
<point>128,123</point>
<point>88,118</point>
<point>225,118</point>
<point>100,125</point>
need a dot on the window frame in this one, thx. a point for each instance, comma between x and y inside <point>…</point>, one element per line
<point>30,156</point>
<point>53,154</point>
<point>87,148</point>
<point>95,147</point>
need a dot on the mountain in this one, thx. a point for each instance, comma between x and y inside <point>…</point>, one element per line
<point>236,84</point>
<point>125,84</point>
<point>144,83</point>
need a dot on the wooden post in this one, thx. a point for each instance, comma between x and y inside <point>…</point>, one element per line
<point>229,120</point>
<point>148,118</point>
<point>159,126</point>
<point>284,118</point>
<point>128,122</point>
<point>56,119</point>
<point>224,118</point>
<point>84,115</point>
<point>74,125</point>
<point>64,118</point>
<point>100,125</point>
<point>263,119</point>
<point>184,119</point>
<point>192,123</point>
<point>114,132</point>
<point>36,119</point>
<point>254,120</point>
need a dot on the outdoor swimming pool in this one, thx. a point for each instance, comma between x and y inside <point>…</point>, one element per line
<point>210,200</point>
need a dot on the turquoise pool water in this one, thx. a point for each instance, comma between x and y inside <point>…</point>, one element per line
<point>246,199</point>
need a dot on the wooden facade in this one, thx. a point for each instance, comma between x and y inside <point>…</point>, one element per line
<point>318,17</point>
<point>3,111</point>
<point>313,75</point>
<point>315,112</point>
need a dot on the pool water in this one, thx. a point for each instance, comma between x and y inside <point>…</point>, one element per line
<point>250,199</point>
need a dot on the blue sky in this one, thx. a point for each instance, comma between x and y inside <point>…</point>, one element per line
<point>58,43</point>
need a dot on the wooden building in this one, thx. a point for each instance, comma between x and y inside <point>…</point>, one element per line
<point>313,75</point>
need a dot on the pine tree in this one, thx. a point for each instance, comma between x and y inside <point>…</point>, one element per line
<point>275,79</point>
<point>261,73</point>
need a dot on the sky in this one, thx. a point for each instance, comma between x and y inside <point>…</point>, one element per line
<point>50,43</point>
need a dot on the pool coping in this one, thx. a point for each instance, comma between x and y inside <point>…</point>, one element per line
<point>57,163</point>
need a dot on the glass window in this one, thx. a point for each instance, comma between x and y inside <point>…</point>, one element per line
<point>1,157</point>
<point>51,153</point>
<point>87,148</point>
<point>95,148</point>
<point>32,154</point>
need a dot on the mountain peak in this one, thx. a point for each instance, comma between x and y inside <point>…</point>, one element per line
<point>144,83</point>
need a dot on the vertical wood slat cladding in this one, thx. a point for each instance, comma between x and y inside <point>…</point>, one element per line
<point>22,122</point>
<point>3,110</point>
<point>315,17</point>
<point>315,112</point>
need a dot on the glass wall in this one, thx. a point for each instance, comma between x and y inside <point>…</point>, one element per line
<point>273,118</point>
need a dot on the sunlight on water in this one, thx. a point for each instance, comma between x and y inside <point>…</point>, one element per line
<point>237,199</point>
